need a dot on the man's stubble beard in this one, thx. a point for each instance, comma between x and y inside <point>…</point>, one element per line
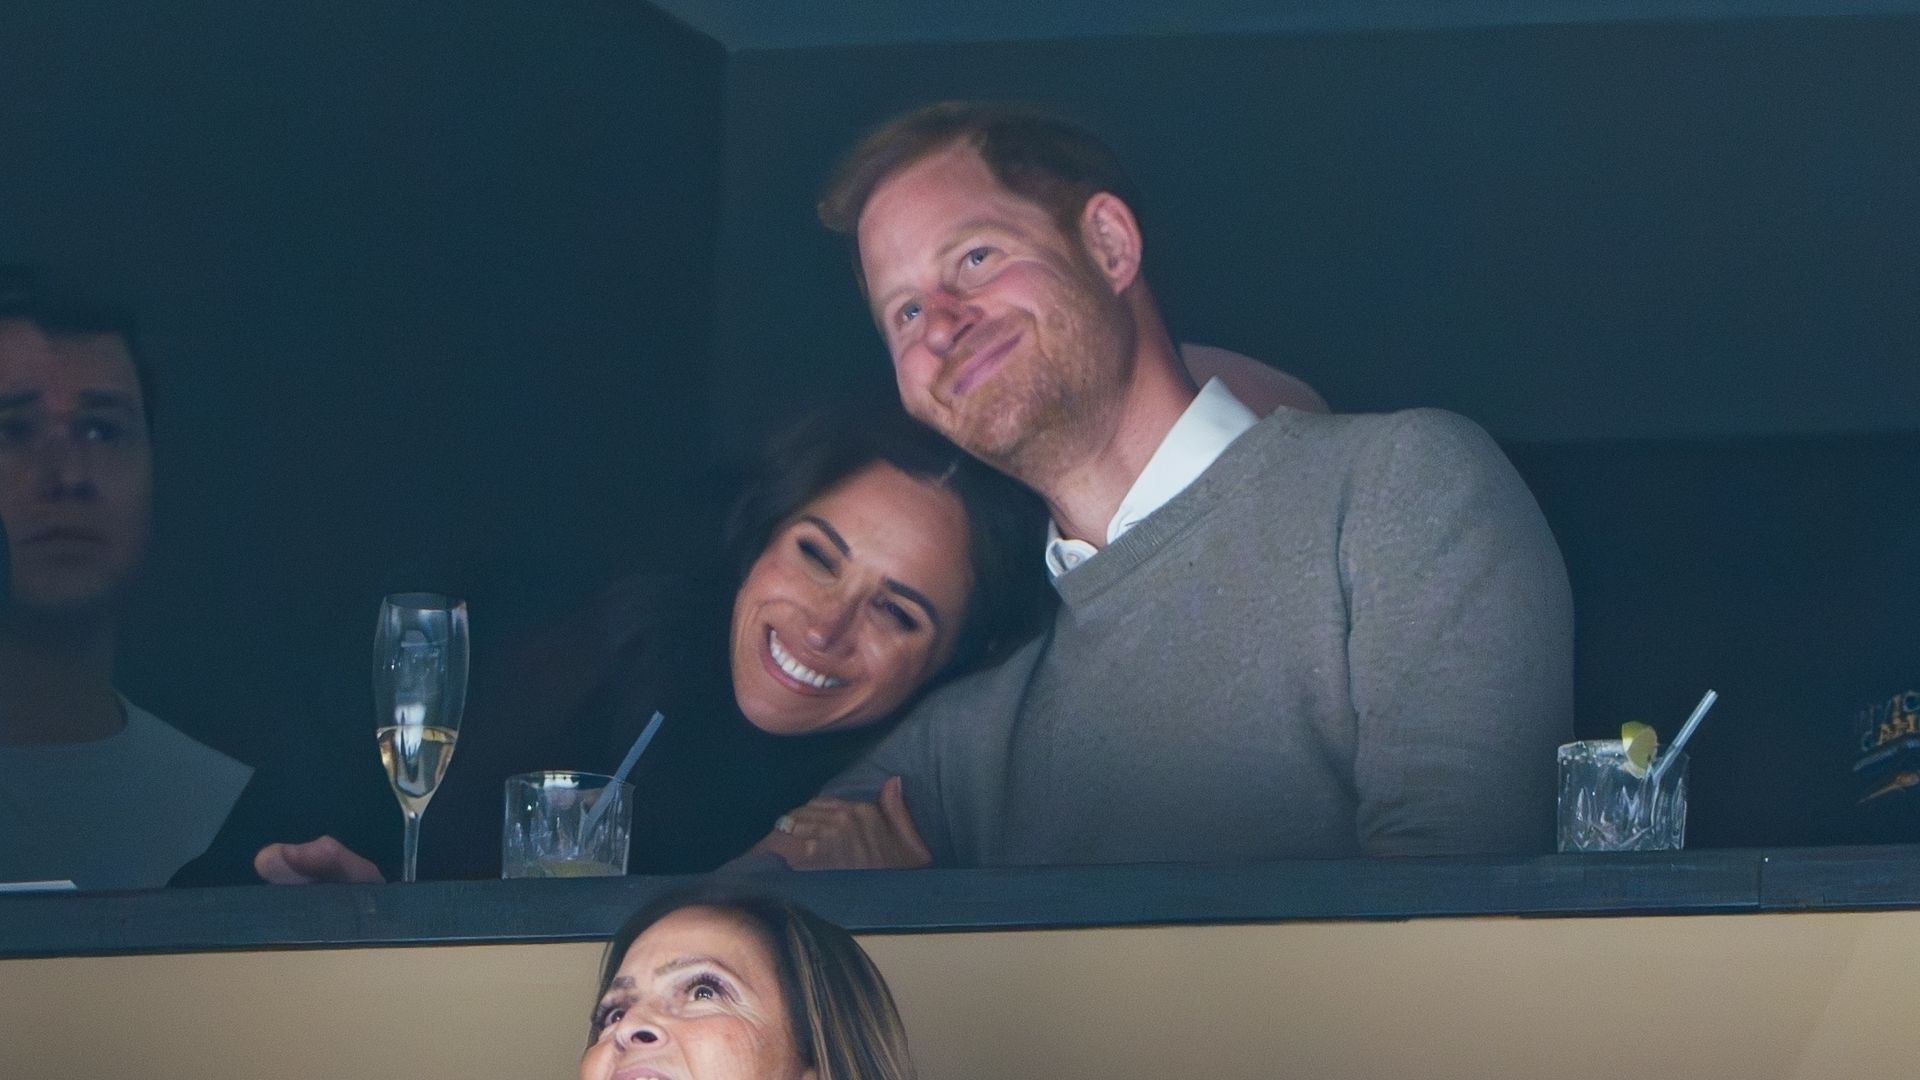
<point>1050,407</point>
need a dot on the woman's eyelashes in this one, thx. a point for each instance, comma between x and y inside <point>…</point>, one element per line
<point>706,987</point>
<point>900,615</point>
<point>816,554</point>
<point>608,1014</point>
<point>696,989</point>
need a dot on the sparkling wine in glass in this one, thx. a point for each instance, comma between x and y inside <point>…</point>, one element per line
<point>419,691</point>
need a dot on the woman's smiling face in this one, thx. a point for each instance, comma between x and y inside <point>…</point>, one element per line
<point>698,997</point>
<point>854,604</point>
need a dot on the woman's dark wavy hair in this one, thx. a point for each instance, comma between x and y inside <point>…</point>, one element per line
<point>839,1011</point>
<point>1006,523</point>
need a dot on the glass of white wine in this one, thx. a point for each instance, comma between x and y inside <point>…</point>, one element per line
<point>419,691</point>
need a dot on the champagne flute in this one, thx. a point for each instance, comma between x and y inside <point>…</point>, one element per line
<point>419,691</point>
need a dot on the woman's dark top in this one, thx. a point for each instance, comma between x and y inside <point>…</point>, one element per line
<point>574,697</point>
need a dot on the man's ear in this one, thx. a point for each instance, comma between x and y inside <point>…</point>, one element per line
<point>1112,239</point>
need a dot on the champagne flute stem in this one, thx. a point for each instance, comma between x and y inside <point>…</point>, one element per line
<point>412,847</point>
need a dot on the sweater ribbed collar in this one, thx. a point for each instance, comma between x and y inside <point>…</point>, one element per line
<point>1208,425</point>
<point>1184,511</point>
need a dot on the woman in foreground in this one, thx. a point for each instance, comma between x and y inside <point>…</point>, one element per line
<point>712,984</point>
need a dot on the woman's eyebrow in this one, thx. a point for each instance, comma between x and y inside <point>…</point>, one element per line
<point>912,594</point>
<point>832,533</point>
<point>681,963</point>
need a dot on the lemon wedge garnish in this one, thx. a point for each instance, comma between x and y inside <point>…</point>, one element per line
<point>1640,742</point>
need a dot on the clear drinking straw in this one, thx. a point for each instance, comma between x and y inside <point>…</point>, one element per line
<point>620,774</point>
<point>1686,732</point>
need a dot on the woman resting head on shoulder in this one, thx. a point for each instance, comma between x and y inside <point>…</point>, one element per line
<point>869,560</point>
<point>713,984</point>
<point>876,560</point>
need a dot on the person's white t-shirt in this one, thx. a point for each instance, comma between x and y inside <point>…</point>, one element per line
<point>123,812</point>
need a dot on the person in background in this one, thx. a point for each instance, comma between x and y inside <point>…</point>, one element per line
<point>1305,636</point>
<point>93,789</point>
<point>715,984</point>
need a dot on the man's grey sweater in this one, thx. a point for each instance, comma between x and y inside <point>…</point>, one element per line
<point>1351,634</point>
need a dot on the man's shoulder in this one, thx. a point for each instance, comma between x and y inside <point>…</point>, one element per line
<point>1319,447</point>
<point>1434,450</point>
<point>1418,424</point>
<point>959,727</point>
<point>1431,428</point>
<point>980,696</point>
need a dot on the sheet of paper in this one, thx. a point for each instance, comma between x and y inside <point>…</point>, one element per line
<point>36,886</point>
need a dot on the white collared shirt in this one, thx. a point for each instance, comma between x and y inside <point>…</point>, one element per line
<point>1211,422</point>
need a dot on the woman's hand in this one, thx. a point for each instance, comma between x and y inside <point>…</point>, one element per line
<point>838,834</point>
<point>324,859</point>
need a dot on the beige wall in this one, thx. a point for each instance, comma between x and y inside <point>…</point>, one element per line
<point>1760,997</point>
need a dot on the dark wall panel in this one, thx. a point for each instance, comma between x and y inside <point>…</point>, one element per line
<point>428,283</point>
<point>1624,230</point>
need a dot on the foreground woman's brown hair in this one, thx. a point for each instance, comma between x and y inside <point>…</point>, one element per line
<point>743,984</point>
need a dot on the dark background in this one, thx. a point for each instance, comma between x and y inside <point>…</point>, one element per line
<point>482,296</point>
<point>1564,231</point>
<point>427,288</point>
